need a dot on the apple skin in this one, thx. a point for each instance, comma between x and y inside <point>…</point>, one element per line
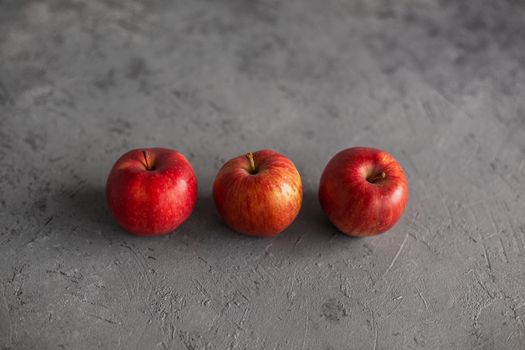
<point>356,206</point>
<point>261,204</point>
<point>155,201</point>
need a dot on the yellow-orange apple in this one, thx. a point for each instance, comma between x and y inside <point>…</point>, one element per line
<point>258,194</point>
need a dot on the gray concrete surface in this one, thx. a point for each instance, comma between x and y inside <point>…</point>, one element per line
<point>438,84</point>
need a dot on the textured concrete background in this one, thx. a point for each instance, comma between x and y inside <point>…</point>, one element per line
<point>438,84</point>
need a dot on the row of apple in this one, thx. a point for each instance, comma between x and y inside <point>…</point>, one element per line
<point>363,191</point>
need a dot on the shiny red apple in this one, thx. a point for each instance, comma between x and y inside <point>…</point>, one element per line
<point>151,191</point>
<point>258,194</point>
<point>363,191</point>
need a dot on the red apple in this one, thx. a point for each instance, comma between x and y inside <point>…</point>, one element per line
<point>258,194</point>
<point>363,191</point>
<point>151,191</point>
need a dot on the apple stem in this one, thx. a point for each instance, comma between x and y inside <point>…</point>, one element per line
<point>145,154</point>
<point>252,162</point>
<point>377,177</point>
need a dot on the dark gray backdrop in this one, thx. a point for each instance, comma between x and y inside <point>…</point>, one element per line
<point>440,85</point>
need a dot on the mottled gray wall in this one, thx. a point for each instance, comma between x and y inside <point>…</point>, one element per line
<point>439,84</point>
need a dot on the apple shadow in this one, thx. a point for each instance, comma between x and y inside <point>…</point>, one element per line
<point>311,234</point>
<point>205,218</point>
<point>313,218</point>
<point>205,222</point>
<point>83,212</point>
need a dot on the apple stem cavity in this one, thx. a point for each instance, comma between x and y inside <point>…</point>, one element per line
<point>252,170</point>
<point>377,177</point>
<point>145,154</point>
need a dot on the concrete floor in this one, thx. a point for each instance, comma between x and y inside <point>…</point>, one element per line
<point>440,85</point>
